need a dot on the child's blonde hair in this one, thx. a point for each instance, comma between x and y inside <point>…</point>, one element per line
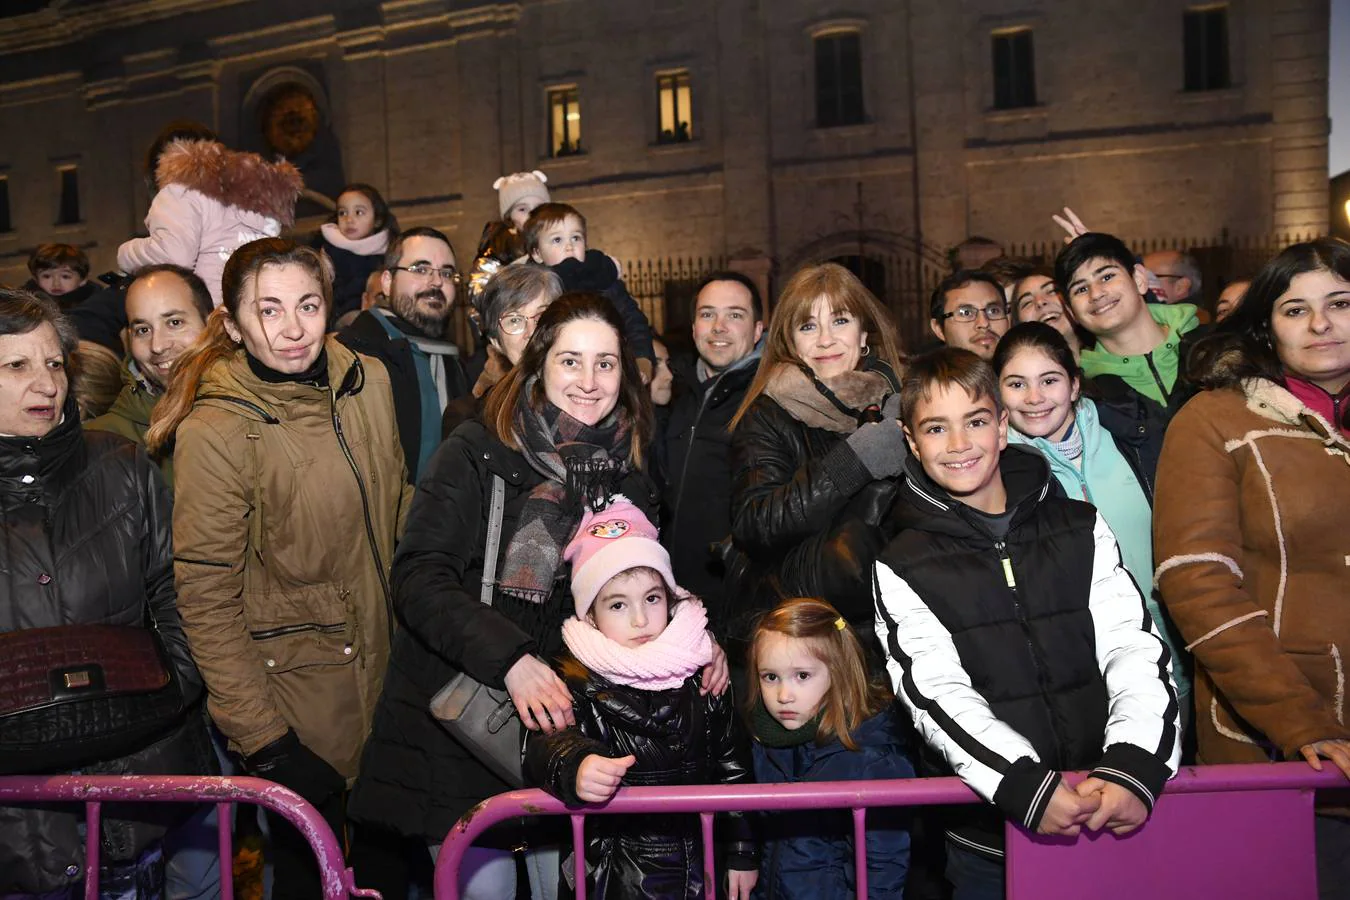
<point>853,697</point>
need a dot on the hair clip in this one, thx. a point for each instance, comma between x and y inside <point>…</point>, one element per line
<point>839,623</point>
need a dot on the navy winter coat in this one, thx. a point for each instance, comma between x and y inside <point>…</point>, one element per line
<point>809,854</point>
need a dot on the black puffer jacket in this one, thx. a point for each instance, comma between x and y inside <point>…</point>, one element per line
<point>805,513</point>
<point>85,539</point>
<point>415,778</point>
<point>678,737</point>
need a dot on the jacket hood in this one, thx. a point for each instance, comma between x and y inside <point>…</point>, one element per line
<point>1178,318</point>
<point>1026,478</point>
<point>233,178</point>
<point>231,385</point>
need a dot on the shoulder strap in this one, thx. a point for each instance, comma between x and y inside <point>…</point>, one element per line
<point>494,539</point>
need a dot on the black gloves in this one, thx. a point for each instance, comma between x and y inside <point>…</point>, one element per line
<point>293,765</point>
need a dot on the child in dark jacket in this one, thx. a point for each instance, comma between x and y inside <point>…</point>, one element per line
<point>354,242</point>
<point>555,236</point>
<point>816,717</point>
<point>1017,639</point>
<point>636,646</point>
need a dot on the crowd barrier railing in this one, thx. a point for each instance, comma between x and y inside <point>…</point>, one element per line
<point>1228,831</point>
<point>96,790</point>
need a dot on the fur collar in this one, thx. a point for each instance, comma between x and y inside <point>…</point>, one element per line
<point>1271,401</point>
<point>232,178</point>
<point>801,396</point>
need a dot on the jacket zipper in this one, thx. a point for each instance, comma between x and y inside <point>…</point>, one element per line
<point>365,511</point>
<point>1157,379</point>
<point>296,629</point>
<point>1011,580</point>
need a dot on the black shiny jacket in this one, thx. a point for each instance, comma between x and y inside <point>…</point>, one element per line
<point>678,737</point>
<point>85,538</point>
<point>806,515</point>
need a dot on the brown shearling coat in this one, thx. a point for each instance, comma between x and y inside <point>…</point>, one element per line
<point>1254,566</point>
<point>282,550</point>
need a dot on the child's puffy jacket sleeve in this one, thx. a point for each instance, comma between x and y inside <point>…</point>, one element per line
<point>174,223</point>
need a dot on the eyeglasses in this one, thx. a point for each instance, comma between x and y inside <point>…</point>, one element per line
<point>422,270</point>
<point>514,323</point>
<point>967,313</point>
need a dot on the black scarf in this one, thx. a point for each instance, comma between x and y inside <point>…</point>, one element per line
<point>582,467</point>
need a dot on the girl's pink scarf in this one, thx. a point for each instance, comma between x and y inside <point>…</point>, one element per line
<point>370,245</point>
<point>658,665</point>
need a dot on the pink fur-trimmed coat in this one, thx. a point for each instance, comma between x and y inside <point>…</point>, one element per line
<point>1253,560</point>
<point>211,201</point>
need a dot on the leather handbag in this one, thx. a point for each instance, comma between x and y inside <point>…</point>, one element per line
<point>483,718</point>
<point>73,695</point>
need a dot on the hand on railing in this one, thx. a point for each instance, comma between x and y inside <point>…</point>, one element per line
<point>541,698</point>
<point>1120,810</point>
<point>598,777</point>
<point>1067,812</point>
<point>1336,751</point>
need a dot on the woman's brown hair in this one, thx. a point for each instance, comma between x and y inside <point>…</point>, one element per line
<point>846,294</point>
<point>214,343</point>
<point>634,400</point>
<point>853,698</point>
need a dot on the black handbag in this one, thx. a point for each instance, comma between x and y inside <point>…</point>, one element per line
<point>74,695</point>
<point>482,718</point>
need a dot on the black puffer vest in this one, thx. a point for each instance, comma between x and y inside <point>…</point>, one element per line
<point>1017,610</point>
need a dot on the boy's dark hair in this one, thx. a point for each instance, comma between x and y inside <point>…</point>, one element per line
<point>395,251</point>
<point>379,210</point>
<point>54,256</point>
<point>1084,249</point>
<point>201,295</point>
<point>955,281</point>
<point>943,367</point>
<point>546,215</point>
<point>756,302</point>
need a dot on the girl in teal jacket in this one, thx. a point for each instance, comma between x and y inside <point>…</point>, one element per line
<point>1041,387</point>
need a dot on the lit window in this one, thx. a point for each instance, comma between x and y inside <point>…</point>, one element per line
<point>1205,46</point>
<point>564,122</point>
<point>839,91</point>
<point>675,120</point>
<point>1014,69</point>
<point>68,213</point>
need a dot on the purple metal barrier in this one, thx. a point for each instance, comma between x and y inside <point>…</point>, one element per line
<point>1218,831</point>
<point>95,790</point>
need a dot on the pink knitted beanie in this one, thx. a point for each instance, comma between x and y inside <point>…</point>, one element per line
<point>616,539</point>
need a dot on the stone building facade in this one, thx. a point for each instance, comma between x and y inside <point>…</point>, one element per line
<point>766,133</point>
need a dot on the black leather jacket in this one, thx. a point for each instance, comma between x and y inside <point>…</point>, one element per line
<point>678,737</point>
<point>806,514</point>
<point>85,538</point>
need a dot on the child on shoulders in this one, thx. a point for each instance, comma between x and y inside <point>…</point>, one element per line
<point>555,236</point>
<point>355,240</point>
<point>637,645</point>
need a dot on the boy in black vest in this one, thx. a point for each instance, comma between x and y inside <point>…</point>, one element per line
<point>1016,638</point>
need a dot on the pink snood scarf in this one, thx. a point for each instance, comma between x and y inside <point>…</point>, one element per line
<point>370,245</point>
<point>658,665</point>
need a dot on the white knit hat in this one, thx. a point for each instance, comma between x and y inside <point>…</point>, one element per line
<point>511,189</point>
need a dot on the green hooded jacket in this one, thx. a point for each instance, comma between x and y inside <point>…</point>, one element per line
<point>129,415</point>
<point>1152,374</point>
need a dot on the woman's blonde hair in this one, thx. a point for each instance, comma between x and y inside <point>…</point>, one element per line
<point>853,697</point>
<point>846,294</point>
<point>214,343</point>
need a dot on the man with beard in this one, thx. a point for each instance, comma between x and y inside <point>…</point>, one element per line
<point>407,334</point>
